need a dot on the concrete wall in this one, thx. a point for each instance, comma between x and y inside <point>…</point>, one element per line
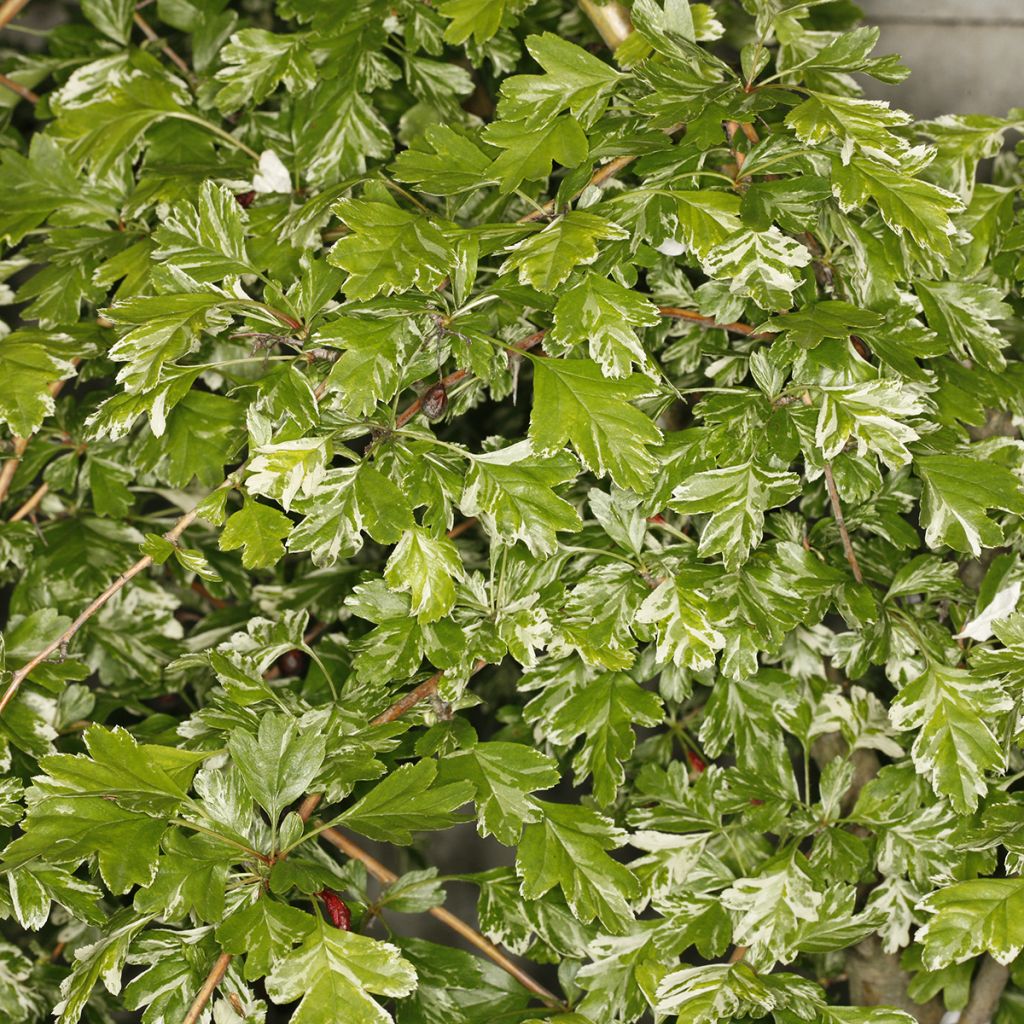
<point>965,55</point>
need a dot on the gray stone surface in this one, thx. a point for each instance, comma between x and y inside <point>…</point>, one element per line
<point>964,55</point>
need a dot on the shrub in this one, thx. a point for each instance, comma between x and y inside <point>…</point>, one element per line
<point>476,411</point>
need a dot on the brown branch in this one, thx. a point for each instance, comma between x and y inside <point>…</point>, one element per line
<point>386,876</point>
<point>464,527</point>
<point>213,979</point>
<point>611,21</point>
<point>453,378</point>
<point>22,90</point>
<point>167,51</point>
<point>9,9</point>
<point>710,321</point>
<point>986,990</point>
<point>30,506</point>
<point>65,638</point>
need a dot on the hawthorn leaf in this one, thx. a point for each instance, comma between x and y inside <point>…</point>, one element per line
<point>605,315</point>
<point>335,968</point>
<point>259,530</point>
<point>503,775</point>
<point>407,800</point>
<point>762,265</point>
<point>279,762</point>
<point>546,259</point>
<point>531,150</point>
<point>567,848</point>
<point>510,491</point>
<point>972,917</point>
<point>264,931</point>
<point>957,491</point>
<point>735,498</point>
<point>573,401</point>
<point>955,745</point>
<point>426,568</point>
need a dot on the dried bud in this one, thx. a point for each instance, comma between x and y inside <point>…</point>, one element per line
<point>292,663</point>
<point>337,909</point>
<point>435,401</point>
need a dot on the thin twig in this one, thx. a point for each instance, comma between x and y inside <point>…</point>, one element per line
<point>213,979</point>
<point>386,876</point>
<point>167,51</point>
<point>30,506</point>
<point>413,408</point>
<point>837,512</point>
<point>65,638</point>
<point>9,9</point>
<point>986,991</point>
<point>22,90</point>
<point>464,527</point>
<point>710,321</point>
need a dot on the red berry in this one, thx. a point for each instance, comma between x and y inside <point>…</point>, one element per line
<point>337,909</point>
<point>696,763</point>
<point>244,199</point>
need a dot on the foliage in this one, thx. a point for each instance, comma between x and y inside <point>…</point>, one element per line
<point>422,416</point>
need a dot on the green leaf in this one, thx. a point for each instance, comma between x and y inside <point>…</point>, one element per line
<point>69,830</point>
<point>510,491</point>
<point>443,162</point>
<point>335,969</point>
<point>503,776</point>
<point>288,469</point>
<point>406,801</point>
<point>265,931</point>
<point>102,960</point>
<point>769,909</point>
<point>530,150</point>
<point>859,123</point>
<point>735,498</point>
<point>867,413</point>
<point>145,778</point>
<point>29,366</point>
<point>906,204</point>
<point>279,763</point>
<point>681,616</point>
<point>972,917</point>
<point>258,530</point>
<point>370,368</point>
<point>960,314</point>
<point>574,401</point>
<point>762,265</point>
<point>426,568</point>
<point>567,848</point>
<point>957,491</point>
<point>575,81</point>
<point>603,313</point>
<point>206,240</point>
<point>706,218</point>
<point>604,712</point>
<point>256,61</point>
<point>808,326</point>
<point>389,250</point>
<point>112,17</point>
<point>546,259</point>
<point>955,745</point>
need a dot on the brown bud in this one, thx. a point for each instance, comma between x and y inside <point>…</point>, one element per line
<point>244,199</point>
<point>435,401</point>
